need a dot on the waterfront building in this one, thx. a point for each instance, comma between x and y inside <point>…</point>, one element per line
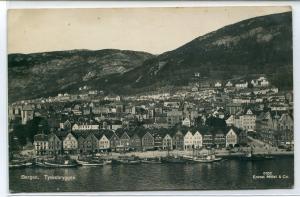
<point>91,143</point>
<point>219,139</point>
<point>197,140</point>
<point>114,140</point>
<point>54,144</point>
<point>135,142</point>
<point>70,144</point>
<point>158,141</point>
<point>147,141</point>
<point>207,139</point>
<point>40,144</point>
<point>188,141</point>
<point>178,141</point>
<point>167,142</point>
<point>104,143</point>
<point>231,138</point>
<point>125,141</point>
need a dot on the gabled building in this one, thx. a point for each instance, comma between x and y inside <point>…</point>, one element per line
<point>231,138</point>
<point>91,143</point>
<point>136,142</point>
<point>70,144</point>
<point>178,140</point>
<point>188,141</point>
<point>167,142</point>
<point>103,143</point>
<point>54,144</point>
<point>147,141</point>
<point>197,140</point>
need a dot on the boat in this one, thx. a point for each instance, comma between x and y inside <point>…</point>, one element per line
<point>128,160</point>
<point>174,159</point>
<point>20,165</point>
<point>40,164</point>
<point>89,163</point>
<point>64,164</point>
<point>152,160</point>
<point>207,159</point>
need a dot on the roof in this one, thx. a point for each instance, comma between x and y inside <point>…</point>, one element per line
<point>40,137</point>
<point>27,108</point>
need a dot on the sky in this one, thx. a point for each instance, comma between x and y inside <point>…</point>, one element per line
<point>154,30</point>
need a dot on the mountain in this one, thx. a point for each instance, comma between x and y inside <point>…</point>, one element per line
<point>44,74</point>
<point>260,45</point>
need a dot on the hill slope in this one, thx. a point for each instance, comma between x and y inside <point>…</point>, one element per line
<point>254,46</point>
<point>44,74</point>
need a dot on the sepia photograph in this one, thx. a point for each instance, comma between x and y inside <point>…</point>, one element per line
<point>150,99</point>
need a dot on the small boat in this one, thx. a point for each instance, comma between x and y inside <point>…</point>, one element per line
<point>40,164</point>
<point>128,160</point>
<point>64,164</point>
<point>89,163</point>
<point>174,159</point>
<point>206,159</point>
<point>152,160</point>
<point>20,165</point>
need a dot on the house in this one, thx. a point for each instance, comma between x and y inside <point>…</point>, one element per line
<point>286,122</point>
<point>147,141</point>
<point>241,84</point>
<point>167,142</point>
<point>228,84</point>
<point>84,127</point>
<point>219,139</point>
<point>125,141</point>
<point>248,121</point>
<point>242,137</point>
<point>197,140</point>
<point>81,143</point>
<point>178,140</point>
<point>54,144</point>
<point>218,84</point>
<point>70,144</point>
<point>188,141</point>
<point>231,138</point>
<point>114,140</point>
<point>233,108</point>
<point>40,144</point>
<point>207,139</point>
<point>27,113</point>
<point>158,141</point>
<point>103,143</point>
<point>135,142</point>
<point>186,122</point>
<point>91,143</point>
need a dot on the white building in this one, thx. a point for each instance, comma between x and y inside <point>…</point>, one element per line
<point>104,143</point>
<point>84,127</point>
<point>188,141</point>
<point>231,138</point>
<point>187,122</point>
<point>197,140</point>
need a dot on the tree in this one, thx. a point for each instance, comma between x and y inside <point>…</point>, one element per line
<point>217,123</point>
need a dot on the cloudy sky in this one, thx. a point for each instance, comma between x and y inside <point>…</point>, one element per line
<point>153,30</point>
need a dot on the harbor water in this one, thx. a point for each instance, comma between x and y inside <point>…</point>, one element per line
<point>224,175</point>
